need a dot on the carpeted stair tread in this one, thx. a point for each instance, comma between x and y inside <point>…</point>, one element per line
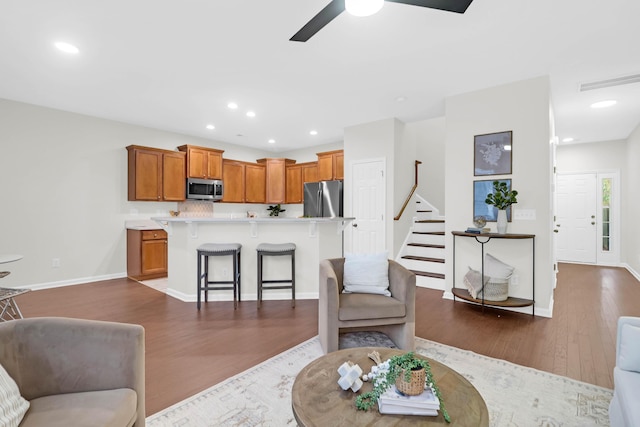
<point>427,274</point>
<point>423,258</point>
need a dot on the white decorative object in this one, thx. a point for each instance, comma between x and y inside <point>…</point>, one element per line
<point>12,405</point>
<point>350,376</point>
<point>502,221</point>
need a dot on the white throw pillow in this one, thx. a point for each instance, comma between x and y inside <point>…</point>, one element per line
<point>473,282</point>
<point>493,267</point>
<point>366,273</point>
<point>12,405</point>
<point>629,358</point>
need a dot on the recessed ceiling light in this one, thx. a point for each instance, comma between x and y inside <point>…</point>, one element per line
<point>313,132</point>
<point>232,105</point>
<point>272,141</point>
<point>66,47</point>
<point>211,127</point>
<point>251,114</point>
<point>401,99</point>
<point>604,104</point>
<point>569,139</point>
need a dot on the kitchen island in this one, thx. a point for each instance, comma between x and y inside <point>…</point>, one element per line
<point>315,239</point>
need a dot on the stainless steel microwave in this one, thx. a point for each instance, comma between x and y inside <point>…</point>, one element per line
<point>204,189</point>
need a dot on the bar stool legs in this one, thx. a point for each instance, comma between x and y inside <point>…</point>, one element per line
<point>206,285</point>
<point>279,249</point>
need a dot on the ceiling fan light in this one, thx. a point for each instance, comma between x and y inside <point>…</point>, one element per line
<point>363,7</point>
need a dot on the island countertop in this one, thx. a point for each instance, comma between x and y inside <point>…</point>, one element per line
<point>280,219</point>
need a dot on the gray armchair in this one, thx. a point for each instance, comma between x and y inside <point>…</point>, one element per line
<point>338,312</point>
<point>76,372</point>
<point>623,409</point>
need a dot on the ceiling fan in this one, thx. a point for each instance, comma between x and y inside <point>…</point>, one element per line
<point>336,7</point>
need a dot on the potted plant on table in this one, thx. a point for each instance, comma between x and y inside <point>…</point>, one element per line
<point>502,197</point>
<point>401,369</point>
<point>275,210</point>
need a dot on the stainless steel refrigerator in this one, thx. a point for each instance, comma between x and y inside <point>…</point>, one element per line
<point>323,199</point>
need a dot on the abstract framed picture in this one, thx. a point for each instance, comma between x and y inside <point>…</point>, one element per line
<point>492,154</point>
<point>480,191</point>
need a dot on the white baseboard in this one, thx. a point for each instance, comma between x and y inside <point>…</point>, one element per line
<point>71,282</point>
<point>632,271</point>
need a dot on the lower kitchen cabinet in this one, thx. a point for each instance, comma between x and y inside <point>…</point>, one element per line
<point>146,254</point>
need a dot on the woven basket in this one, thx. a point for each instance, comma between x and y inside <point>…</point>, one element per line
<point>496,290</point>
<point>413,387</point>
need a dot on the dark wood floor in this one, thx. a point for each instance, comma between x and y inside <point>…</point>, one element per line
<point>188,351</point>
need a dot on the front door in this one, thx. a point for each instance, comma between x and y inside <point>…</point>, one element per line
<point>576,217</point>
<point>368,203</point>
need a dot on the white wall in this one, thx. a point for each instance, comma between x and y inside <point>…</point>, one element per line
<point>592,157</point>
<point>632,239</point>
<point>304,155</point>
<point>64,192</point>
<point>381,139</point>
<point>429,137</point>
<point>522,107</point>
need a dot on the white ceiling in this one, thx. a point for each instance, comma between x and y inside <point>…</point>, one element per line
<point>174,65</point>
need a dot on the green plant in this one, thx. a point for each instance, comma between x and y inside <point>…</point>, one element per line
<point>275,210</point>
<point>501,197</point>
<point>397,364</point>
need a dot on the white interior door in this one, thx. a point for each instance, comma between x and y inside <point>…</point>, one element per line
<point>576,217</point>
<point>368,202</point>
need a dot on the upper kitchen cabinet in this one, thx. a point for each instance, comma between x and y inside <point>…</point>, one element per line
<point>202,162</point>
<point>296,176</point>
<point>276,179</point>
<point>255,183</point>
<point>243,182</point>
<point>331,165</point>
<point>155,174</point>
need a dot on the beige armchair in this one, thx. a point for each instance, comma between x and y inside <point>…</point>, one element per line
<point>338,312</point>
<point>76,372</point>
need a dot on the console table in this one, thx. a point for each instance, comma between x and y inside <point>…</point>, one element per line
<point>484,238</point>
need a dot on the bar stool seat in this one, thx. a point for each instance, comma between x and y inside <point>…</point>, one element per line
<point>276,249</point>
<point>205,284</point>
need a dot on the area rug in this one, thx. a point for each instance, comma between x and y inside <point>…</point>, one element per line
<point>516,396</point>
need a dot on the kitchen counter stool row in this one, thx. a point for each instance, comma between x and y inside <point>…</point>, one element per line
<point>206,282</point>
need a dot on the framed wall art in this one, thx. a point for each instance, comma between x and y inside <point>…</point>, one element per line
<point>492,154</point>
<point>480,208</point>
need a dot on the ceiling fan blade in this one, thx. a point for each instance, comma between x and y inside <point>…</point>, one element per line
<point>326,15</point>
<point>458,6</point>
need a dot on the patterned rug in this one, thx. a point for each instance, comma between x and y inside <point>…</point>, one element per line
<point>516,396</point>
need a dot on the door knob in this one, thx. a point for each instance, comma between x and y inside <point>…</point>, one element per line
<point>555,231</point>
<point>354,225</point>
<point>593,223</point>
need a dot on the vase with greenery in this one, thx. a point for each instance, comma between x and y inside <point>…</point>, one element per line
<point>275,210</point>
<point>402,364</point>
<point>502,197</point>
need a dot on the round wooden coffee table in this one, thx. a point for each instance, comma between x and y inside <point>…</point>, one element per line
<point>318,400</point>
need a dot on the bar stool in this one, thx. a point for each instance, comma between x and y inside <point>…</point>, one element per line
<point>277,249</point>
<point>204,284</point>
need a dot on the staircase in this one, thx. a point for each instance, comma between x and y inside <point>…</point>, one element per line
<point>424,252</point>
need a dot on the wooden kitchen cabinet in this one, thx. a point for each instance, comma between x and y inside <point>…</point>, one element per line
<point>146,254</point>
<point>331,165</point>
<point>233,179</point>
<point>255,183</point>
<point>293,177</point>
<point>296,176</point>
<point>155,174</point>
<point>243,182</point>
<point>276,172</point>
<point>202,162</point>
